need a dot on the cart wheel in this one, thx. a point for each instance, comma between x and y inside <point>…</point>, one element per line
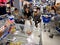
<point>51,36</point>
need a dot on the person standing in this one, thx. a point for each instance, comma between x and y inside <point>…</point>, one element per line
<point>36,17</point>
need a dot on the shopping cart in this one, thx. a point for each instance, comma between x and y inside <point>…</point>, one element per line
<point>6,32</point>
<point>55,28</point>
<point>27,31</point>
<point>18,37</point>
<point>5,26</point>
<point>57,18</point>
<point>46,19</point>
<point>58,29</point>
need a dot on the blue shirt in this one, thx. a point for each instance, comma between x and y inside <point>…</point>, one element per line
<point>46,20</point>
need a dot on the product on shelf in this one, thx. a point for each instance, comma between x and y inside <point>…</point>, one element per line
<point>16,43</point>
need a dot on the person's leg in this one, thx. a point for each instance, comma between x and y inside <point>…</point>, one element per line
<point>36,24</point>
<point>22,28</point>
<point>29,18</point>
<point>39,21</point>
<point>30,22</point>
<point>3,10</point>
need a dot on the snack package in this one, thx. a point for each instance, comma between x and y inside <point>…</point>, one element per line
<point>13,29</point>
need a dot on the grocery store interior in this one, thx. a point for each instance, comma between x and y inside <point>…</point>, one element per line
<point>29,22</point>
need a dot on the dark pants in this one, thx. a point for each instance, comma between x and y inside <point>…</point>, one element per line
<point>37,21</point>
<point>2,10</point>
<point>22,28</point>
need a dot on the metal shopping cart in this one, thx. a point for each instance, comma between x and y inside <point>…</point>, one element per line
<point>27,31</point>
<point>55,26</point>
<point>58,29</point>
<point>5,28</point>
<point>2,23</point>
<point>17,37</point>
